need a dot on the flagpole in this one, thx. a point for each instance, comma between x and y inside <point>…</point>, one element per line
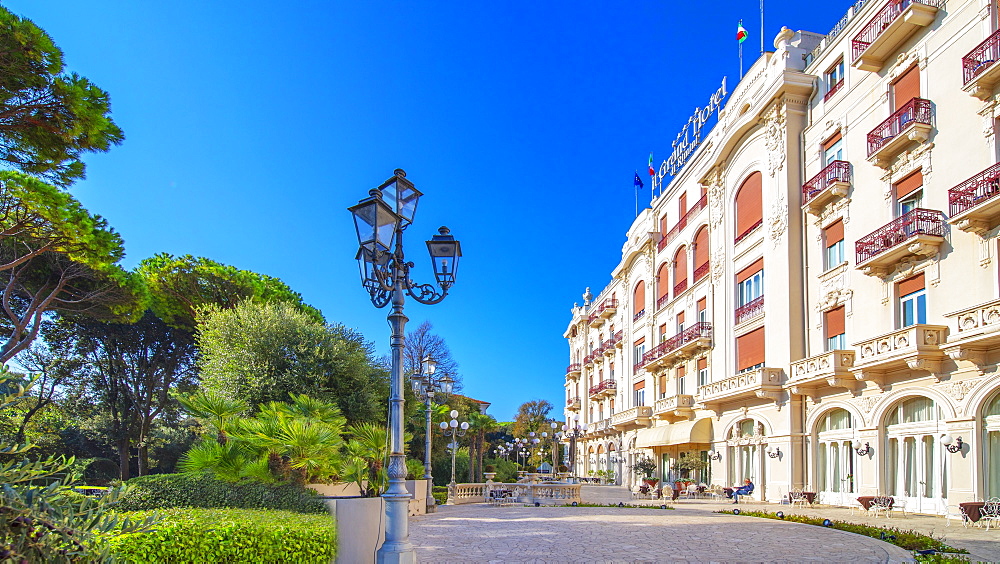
<point>741,60</point>
<point>637,201</point>
<point>762,27</point>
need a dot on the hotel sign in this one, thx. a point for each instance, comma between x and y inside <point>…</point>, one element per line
<point>689,138</point>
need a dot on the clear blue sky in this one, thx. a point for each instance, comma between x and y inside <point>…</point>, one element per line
<point>251,126</point>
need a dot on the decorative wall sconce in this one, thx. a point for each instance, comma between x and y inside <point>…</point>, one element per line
<point>952,448</point>
<point>773,452</point>
<point>861,451</point>
<point>714,455</point>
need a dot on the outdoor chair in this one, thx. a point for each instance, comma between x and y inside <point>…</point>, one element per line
<point>881,505</point>
<point>797,497</point>
<point>855,506</point>
<point>956,512</point>
<point>990,513</point>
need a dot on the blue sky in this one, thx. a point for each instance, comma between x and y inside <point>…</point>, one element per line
<point>251,127</point>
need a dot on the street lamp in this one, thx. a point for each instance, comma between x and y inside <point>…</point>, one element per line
<point>575,432</point>
<point>454,430</point>
<point>379,221</point>
<point>425,387</point>
<point>556,437</point>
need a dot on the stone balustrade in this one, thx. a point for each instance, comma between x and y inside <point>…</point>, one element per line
<point>761,382</point>
<point>918,347</point>
<point>555,493</point>
<point>636,416</point>
<point>832,368</point>
<point>467,493</point>
<point>680,404</point>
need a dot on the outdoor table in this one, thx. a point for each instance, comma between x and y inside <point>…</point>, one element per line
<point>729,492</point>
<point>866,501</point>
<point>972,509</point>
<point>810,496</point>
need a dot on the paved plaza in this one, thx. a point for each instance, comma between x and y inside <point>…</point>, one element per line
<point>690,533</point>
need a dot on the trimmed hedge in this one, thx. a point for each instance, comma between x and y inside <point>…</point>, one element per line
<point>229,535</point>
<point>162,491</point>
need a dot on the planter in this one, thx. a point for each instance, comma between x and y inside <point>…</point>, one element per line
<point>650,482</point>
<point>337,489</point>
<point>418,500</point>
<point>490,476</point>
<point>360,527</point>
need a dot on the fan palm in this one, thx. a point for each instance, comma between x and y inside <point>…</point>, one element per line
<point>215,411</point>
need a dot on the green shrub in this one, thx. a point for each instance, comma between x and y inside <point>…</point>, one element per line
<point>229,535</point>
<point>100,471</point>
<point>441,497</point>
<point>161,491</point>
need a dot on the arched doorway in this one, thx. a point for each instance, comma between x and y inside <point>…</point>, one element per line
<point>747,442</point>
<point>835,461</point>
<point>914,461</point>
<point>991,452</point>
<point>601,463</point>
<point>613,465</point>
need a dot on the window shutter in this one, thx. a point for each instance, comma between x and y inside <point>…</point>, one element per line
<point>639,297</point>
<point>831,141</point>
<point>911,285</point>
<point>680,318</point>
<point>640,341</point>
<point>702,363</point>
<point>682,205</point>
<point>701,248</point>
<point>663,281</point>
<point>663,382</point>
<point>639,385</point>
<point>702,304</point>
<point>681,370</point>
<point>749,205</point>
<point>833,322</point>
<point>908,185</point>
<point>834,233</point>
<point>680,266</point>
<point>750,349</point>
<point>906,87</point>
<point>749,271</point>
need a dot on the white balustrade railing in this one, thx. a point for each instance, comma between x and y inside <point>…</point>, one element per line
<point>549,494</point>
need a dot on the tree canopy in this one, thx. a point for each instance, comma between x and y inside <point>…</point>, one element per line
<point>531,415</point>
<point>48,119</point>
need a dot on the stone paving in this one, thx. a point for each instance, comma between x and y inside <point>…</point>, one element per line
<point>690,533</point>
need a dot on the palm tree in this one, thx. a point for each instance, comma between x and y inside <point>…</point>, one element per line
<point>365,456</point>
<point>215,411</point>
<point>480,424</point>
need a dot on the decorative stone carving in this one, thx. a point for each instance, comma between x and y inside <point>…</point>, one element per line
<point>958,390</point>
<point>774,127</point>
<point>907,162</point>
<point>866,403</point>
<point>718,263</point>
<point>716,198</point>
<point>976,356</point>
<point>778,221</point>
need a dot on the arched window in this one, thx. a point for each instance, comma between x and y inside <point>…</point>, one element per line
<point>662,284</point>
<point>680,271</point>
<point>835,459</point>
<point>639,299</point>
<point>992,454</point>
<point>746,455</point>
<point>914,459</point>
<point>749,206</point>
<point>701,254</point>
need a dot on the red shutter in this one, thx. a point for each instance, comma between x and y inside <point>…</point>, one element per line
<point>910,184</point>
<point>831,141</point>
<point>701,248</point>
<point>680,266</point>
<point>911,285</point>
<point>639,297</point>
<point>749,271</point>
<point>638,386</point>
<point>639,341</point>
<point>906,87</point>
<point>834,233</point>
<point>702,304</point>
<point>681,371</point>
<point>682,205</point>
<point>749,205</point>
<point>663,281</point>
<point>750,349</point>
<point>702,363</point>
<point>833,322</point>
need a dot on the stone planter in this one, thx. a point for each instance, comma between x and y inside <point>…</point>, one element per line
<point>490,476</point>
<point>418,501</point>
<point>337,489</point>
<point>360,527</point>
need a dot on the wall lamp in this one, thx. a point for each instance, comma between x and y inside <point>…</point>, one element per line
<point>774,452</point>
<point>861,451</point>
<point>952,448</point>
<point>714,455</point>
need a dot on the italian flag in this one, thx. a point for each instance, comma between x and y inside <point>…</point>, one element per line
<point>741,33</point>
<point>651,171</point>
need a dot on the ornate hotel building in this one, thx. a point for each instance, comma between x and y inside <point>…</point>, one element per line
<point>813,301</point>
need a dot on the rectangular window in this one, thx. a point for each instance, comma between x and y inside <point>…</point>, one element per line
<point>639,396</point>
<point>906,87</point>
<point>663,385</point>
<point>833,150</point>
<point>611,371</point>
<point>834,78</point>
<point>663,332</point>
<point>702,308</point>
<point>703,371</point>
<point>912,301</point>
<point>681,388</point>
<point>750,350</point>
<point>833,328</point>
<point>750,283</point>
<point>908,193</point>
<point>680,322</point>
<point>682,205</point>
<point>639,348</point>
<point>833,237</point>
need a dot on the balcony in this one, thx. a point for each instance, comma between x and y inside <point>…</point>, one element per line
<point>681,405</point>
<point>701,271</point>
<point>830,369</point>
<point>910,123</point>
<point>588,360</point>
<point>748,231</point>
<point>974,205</point>
<point>662,301</point>
<point>639,416</point>
<point>595,320</point>
<point>600,428</point>
<point>573,371</point>
<point>749,310</point>
<point>682,223</point>
<point>919,233</point>
<point>573,404</point>
<point>618,339</point>
<point>682,345</point>
<point>608,308</point>
<point>831,183</point>
<point>757,383</point>
<point>605,388</point>
<point>638,315</point>
<point>979,72</point>
<point>680,287</point>
<point>888,30</point>
<point>833,90</point>
<point>917,347</point>
<point>973,332</point>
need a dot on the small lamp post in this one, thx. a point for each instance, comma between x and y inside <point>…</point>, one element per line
<point>380,220</point>
<point>425,387</point>
<point>575,432</point>
<point>453,429</point>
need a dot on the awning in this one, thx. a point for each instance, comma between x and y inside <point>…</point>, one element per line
<point>697,431</point>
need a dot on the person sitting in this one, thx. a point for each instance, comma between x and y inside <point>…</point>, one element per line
<point>745,489</point>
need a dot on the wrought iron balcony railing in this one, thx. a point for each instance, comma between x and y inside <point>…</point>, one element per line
<point>833,90</point>
<point>697,331</point>
<point>974,191</point>
<point>917,110</point>
<point>682,222</point>
<point>575,367</point>
<point>603,386</point>
<point>662,300</point>
<point>917,222</point>
<point>701,271</point>
<point>880,22</point>
<point>749,230</point>
<point>981,58</point>
<point>836,171</point>
<point>638,314</point>
<point>680,287</point>
<point>749,309</point>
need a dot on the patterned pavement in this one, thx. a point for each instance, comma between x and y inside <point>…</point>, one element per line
<point>691,533</point>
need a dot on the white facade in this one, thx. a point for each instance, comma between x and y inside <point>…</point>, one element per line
<point>820,275</point>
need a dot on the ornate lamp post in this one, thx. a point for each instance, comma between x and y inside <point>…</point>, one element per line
<point>575,432</point>
<point>454,430</point>
<point>556,437</point>
<point>425,387</point>
<point>380,220</point>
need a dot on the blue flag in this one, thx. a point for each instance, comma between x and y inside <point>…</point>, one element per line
<point>638,181</point>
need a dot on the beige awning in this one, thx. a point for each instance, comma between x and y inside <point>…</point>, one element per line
<point>697,431</point>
